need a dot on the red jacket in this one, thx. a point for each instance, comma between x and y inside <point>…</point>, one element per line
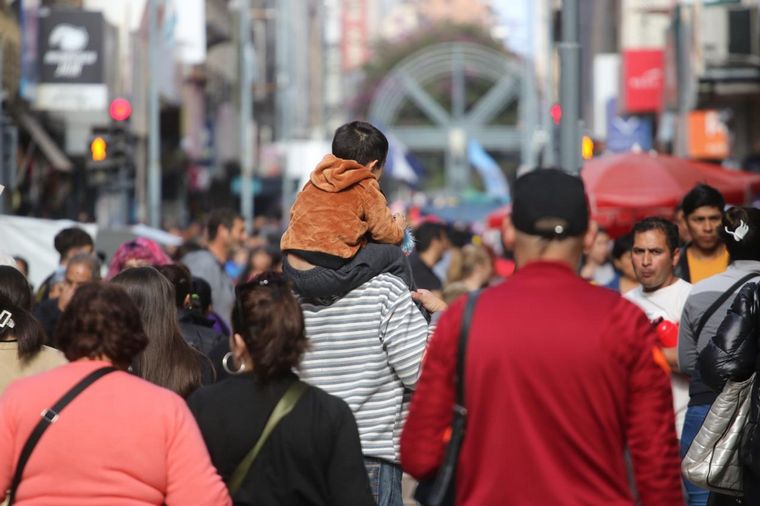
<point>560,377</point>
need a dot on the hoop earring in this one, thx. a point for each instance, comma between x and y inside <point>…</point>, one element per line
<point>226,366</point>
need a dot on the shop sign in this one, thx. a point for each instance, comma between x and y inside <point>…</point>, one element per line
<point>643,80</point>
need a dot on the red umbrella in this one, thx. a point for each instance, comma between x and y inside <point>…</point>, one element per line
<point>625,188</point>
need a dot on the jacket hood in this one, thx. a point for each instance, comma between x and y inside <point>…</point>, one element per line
<point>334,174</point>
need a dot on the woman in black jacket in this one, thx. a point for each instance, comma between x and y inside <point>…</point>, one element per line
<point>734,353</point>
<point>313,456</point>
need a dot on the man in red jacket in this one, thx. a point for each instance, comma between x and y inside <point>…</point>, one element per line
<point>560,377</point>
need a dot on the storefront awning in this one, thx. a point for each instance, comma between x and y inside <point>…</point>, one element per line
<point>47,145</point>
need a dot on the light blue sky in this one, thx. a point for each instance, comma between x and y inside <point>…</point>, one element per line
<point>514,15</point>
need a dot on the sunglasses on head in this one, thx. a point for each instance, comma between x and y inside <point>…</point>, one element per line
<point>273,283</point>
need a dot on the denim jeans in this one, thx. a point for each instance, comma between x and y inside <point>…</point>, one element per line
<point>385,481</point>
<point>695,415</point>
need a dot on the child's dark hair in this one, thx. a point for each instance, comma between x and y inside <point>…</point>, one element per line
<point>740,232</point>
<point>361,142</point>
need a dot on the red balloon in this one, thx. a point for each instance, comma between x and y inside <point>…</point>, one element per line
<point>667,332</point>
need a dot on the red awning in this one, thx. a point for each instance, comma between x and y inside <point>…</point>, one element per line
<point>625,188</point>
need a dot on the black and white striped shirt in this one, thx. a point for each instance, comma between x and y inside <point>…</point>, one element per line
<point>366,348</point>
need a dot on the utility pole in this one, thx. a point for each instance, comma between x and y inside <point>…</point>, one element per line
<point>283,106</point>
<point>5,202</point>
<point>548,85</point>
<point>570,66</point>
<point>528,108</point>
<point>245,140</point>
<point>154,132</point>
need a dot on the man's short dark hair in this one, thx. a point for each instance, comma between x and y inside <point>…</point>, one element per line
<point>217,217</point>
<point>425,233</point>
<point>361,142</point>
<point>702,195</point>
<point>70,238</point>
<point>667,227</point>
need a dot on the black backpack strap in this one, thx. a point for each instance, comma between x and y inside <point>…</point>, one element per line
<point>720,300</point>
<point>49,417</point>
<point>464,331</point>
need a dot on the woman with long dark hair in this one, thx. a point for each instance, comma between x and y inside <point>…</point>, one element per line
<point>313,455</point>
<point>167,361</point>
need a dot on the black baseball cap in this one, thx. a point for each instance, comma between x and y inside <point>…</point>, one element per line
<point>550,203</point>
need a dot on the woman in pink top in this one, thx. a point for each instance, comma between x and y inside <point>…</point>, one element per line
<point>122,441</point>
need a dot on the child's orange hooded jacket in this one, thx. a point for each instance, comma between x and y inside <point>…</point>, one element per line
<point>338,210</point>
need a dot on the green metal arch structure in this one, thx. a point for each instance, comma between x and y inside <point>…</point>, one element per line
<point>450,127</point>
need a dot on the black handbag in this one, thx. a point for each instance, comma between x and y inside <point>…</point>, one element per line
<point>439,491</point>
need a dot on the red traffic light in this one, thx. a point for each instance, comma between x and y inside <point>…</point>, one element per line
<point>120,109</point>
<point>556,113</point>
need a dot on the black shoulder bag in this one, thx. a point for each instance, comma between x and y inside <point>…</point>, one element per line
<point>440,491</point>
<point>720,300</point>
<point>49,417</point>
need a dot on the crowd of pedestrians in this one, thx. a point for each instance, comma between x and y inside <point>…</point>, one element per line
<point>316,365</point>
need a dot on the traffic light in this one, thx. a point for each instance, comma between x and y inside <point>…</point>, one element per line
<point>587,147</point>
<point>112,147</point>
<point>98,149</point>
<point>121,144</point>
<point>120,109</point>
<point>556,113</point>
<point>111,160</point>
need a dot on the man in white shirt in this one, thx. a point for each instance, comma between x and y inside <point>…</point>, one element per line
<point>661,295</point>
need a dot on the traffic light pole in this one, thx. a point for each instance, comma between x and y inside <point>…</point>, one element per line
<point>570,66</point>
<point>5,200</point>
<point>154,133</point>
<point>245,147</point>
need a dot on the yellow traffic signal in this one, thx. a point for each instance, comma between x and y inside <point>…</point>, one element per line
<point>98,148</point>
<point>587,148</point>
